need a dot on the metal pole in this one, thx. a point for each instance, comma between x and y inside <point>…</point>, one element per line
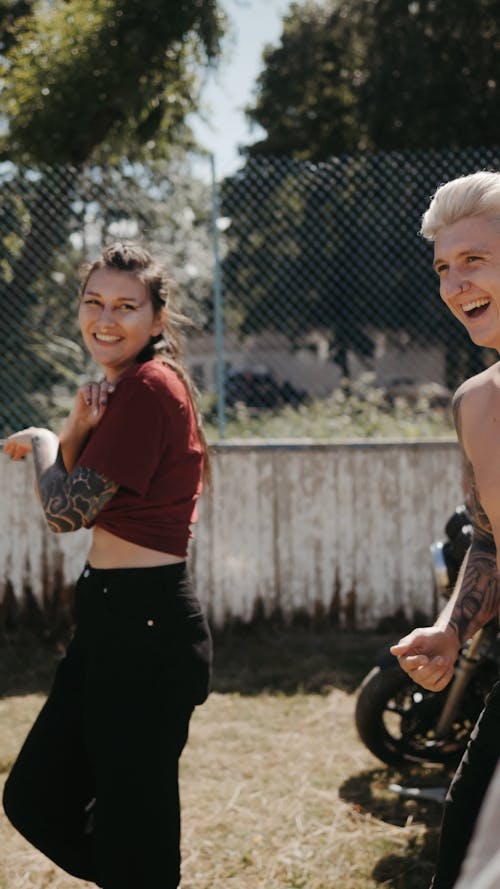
<point>219,324</point>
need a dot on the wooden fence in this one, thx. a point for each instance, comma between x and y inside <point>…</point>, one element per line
<point>340,530</point>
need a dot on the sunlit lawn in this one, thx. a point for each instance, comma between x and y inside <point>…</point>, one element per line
<point>277,790</point>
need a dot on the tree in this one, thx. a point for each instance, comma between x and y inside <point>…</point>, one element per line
<point>346,80</point>
<point>81,78</point>
<point>380,74</point>
<point>83,84</point>
<point>10,13</point>
<point>306,95</point>
<point>431,79</point>
<point>160,203</point>
<point>332,247</point>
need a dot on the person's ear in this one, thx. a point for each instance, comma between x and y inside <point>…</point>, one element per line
<point>159,323</point>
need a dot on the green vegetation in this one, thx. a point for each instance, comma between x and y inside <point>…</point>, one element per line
<point>324,228</point>
<point>85,87</point>
<point>358,410</point>
<point>91,81</point>
<point>343,78</point>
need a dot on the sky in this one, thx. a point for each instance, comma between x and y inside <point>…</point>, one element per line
<point>252,24</point>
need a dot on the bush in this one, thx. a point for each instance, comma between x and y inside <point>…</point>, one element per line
<point>357,409</point>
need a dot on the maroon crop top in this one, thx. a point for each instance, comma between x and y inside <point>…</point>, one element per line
<point>147,442</point>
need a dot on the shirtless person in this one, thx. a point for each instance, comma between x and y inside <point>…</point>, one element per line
<point>463,220</point>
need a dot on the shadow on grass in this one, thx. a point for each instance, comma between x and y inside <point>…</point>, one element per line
<point>252,659</point>
<point>27,664</point>
<point>249,659</point>
<point>414,869</point>
<point>369,792</point>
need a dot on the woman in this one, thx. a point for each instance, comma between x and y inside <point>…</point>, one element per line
<point>95,786</point>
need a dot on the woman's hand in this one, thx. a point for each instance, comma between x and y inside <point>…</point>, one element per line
<point>90,403</point>
<point>19,444</point>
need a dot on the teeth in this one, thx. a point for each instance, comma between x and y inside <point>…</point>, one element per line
<point>475,304</point>
<point>106,338</point>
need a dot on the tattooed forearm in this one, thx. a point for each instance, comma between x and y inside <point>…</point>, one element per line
<point>479,597</point>
<point>75,501</point>
<point>70,501</point>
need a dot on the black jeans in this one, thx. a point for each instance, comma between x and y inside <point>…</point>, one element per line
<point>95,786</point>
<point>467,791</point>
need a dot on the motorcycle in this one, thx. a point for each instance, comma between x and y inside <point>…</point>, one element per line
<point>398,720</point>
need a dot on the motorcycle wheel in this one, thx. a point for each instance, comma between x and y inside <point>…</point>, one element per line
<point>395,719</point>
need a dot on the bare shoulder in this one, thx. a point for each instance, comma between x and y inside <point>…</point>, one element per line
<point>480,383</point>
<point>474,397</point>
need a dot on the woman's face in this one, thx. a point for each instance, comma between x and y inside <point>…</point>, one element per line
<point>117,319</point>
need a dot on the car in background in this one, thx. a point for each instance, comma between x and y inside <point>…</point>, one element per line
<point>259,389</point>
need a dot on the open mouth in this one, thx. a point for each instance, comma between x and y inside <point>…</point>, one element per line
<point>476,307</point>
<point>106,338</point>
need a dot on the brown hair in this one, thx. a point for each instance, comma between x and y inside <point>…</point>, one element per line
<point>128,256</point>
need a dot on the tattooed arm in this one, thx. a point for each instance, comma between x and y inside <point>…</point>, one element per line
<point>428,654</point>
<point>476,598</point>
<point>69,500</point>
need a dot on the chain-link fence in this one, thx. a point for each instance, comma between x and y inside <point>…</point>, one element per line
<point>299,276</point>
<point>54,219</point>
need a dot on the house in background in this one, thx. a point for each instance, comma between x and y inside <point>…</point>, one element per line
<point>396,364</point>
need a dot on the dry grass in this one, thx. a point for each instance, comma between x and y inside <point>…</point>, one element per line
<point>277,790</point>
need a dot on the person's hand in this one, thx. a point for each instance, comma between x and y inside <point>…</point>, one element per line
<point>428,656</point>
<point>87,411</point>
<point>90,403</point>
<point>19,444</point>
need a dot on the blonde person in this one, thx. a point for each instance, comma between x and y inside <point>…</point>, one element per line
<point>95,786</point>
<point>463,221</point>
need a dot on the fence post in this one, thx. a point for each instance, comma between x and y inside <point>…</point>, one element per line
<point>219,324</point>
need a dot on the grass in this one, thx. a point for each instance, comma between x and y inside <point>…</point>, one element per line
<point>277,790</point>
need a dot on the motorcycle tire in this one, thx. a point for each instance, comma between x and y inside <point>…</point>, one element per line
<point>395,718</point>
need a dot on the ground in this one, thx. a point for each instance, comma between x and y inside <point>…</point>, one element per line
<point>277,790</point>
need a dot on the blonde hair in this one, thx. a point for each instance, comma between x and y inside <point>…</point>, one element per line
<point>477,194</point>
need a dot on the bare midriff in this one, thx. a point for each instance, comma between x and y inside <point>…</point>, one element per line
<point>109,551</point>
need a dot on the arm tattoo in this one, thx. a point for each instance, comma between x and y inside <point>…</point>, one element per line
<point>479,596</point>
<point>70,501</point>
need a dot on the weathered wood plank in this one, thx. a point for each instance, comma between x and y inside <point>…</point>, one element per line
<point>301,527</point>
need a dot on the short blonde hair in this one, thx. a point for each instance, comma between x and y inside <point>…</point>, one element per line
<point>475,195</point>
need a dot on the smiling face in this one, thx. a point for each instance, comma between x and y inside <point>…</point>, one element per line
<point>116,319</point>
<point>467,261</point>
